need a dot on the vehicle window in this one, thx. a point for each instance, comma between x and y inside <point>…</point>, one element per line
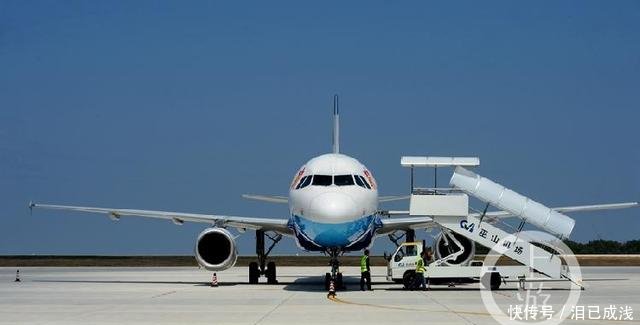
<point>399,255</point>
<point>412,251</point>
<point>322,180</point>
<point>306,182</point>
<point>364,181</point>
<point>343,180</point>
<point>359,181</point>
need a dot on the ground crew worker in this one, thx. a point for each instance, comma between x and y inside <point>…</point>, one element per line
<point>420,269</point>
<point>365,271</point>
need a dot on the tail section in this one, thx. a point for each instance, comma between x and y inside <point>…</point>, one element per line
<point>336,125</point>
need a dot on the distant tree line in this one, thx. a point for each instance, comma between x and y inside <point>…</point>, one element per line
<point>601,246</point>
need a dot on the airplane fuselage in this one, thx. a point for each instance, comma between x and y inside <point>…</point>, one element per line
<point>333,201</point>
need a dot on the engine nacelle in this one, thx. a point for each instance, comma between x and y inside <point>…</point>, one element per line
<point>216,249</point>
<point>449,245</point>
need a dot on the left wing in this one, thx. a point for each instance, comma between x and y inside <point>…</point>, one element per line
<point>392,224</point>
<point>577,208</point>
<point>277,225</point>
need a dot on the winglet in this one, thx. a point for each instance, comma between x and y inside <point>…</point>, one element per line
<point>336,125</point>
<point>31,206</point>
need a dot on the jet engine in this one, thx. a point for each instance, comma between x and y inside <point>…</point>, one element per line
<point>458,248</point>
<point>216,249</point>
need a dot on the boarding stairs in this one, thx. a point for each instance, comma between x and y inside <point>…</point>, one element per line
<point>449,208</point>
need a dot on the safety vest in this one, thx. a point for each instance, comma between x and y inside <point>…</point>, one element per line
<point>420,265</point>
<point>363,263</point>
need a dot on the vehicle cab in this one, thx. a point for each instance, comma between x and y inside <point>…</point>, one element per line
<point>402,263</point>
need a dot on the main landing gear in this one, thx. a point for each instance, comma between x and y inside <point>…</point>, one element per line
<point>335,274</point>
<point>256,269</point>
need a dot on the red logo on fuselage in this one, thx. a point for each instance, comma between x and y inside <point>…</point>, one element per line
<point>370,178</point>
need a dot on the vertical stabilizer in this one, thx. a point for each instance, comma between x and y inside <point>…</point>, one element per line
<point>336,125</point>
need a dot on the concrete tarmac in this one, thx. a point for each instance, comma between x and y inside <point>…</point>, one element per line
<point>181,295</point>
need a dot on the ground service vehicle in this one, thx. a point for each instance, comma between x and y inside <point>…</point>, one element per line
<point>402,264</point>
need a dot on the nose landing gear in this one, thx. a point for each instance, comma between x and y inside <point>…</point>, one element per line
<point>335,274</point>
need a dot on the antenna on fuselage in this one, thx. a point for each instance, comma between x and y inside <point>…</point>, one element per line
<point>336,125</point>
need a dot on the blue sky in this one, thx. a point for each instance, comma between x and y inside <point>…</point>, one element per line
<point>169,106</point>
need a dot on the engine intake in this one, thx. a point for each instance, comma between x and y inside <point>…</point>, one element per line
<point>216,249</point>
<point>447,244</point>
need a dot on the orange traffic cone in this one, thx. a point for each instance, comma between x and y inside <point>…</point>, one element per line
<point>17,276</point>
<point>214,280</point>
<point>332,289</point>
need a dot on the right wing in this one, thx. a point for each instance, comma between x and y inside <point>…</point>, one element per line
<point>277,225</point>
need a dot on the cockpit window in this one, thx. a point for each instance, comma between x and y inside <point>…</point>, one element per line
<point>362,182</point>
<point>343,180</point>
<point>322,180</point>
<point>304,182</point>
<point>301,181</point>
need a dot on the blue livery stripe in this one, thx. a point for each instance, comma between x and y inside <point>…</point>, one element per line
<point>348,236</point>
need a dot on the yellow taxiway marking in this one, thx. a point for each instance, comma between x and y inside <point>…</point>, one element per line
<point>342,301</point>
<point>338,300</point>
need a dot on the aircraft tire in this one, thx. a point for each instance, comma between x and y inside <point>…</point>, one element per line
<point>339,282</point>
<point>254,273</point>
<point>271,273</point>
<point>327,279</point>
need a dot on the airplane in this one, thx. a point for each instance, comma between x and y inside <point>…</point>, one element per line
<point>333,208</point>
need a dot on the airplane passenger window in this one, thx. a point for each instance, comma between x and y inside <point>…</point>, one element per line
<point>343,180</point>
<point>306,182</point>
<point>322,180</point>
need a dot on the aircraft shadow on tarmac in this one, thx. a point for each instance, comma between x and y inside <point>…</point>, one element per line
<point>296,283</point>
<point>308,283</point>
<point>316,283</point>
<point>208,284</point>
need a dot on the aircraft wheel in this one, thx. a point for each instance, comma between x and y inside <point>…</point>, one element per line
<point>491,280</point>
<point>339,283</point>
<point>254,273</point>
<point>496,280</point>
<point>327,279</point>
<point>271,273</point>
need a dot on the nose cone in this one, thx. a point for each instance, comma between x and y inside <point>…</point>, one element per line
<point>333,208</point>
